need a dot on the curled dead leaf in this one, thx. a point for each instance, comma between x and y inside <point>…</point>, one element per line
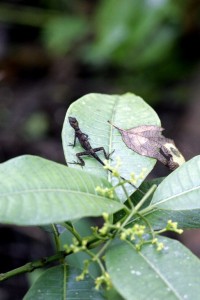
<point>148,140</point>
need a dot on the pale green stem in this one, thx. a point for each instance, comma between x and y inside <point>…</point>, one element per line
<point>102,249</point>
<point>70,227</point>
<point>56,238</point>
<point>94,258</point>
<point>137,207</point>
<point>127,196</point>
<point>146,196</point>
<point>148,224</point>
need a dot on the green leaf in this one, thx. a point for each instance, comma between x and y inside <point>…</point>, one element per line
<point>177,197</point>
<point>172,273</point>
<point>60,283</point>
<point>35,191</point>
<point>92,112</point>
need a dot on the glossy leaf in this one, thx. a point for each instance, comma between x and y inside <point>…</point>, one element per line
<point>60,283</point>
<point>92,112</point>
<point>172,273</point>
<point>35,191</point>
<point>177,197</point>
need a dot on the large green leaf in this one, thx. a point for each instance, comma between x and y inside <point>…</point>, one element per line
<point>60,283</point>
<point>93,111</point>
<point>178,197</point>
<point>173,273</point>
<point>35,191</point>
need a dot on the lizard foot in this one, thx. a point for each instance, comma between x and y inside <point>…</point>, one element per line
<point>75,163</point>
<point>110,154</point>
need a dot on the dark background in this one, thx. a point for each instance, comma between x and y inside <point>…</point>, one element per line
<point>53,52</point>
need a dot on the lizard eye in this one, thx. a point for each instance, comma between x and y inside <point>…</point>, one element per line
<point>175,151</point>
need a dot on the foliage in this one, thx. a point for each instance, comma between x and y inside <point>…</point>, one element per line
<point>144,43</point>
<point>137,35</point>
<point>126,257</point>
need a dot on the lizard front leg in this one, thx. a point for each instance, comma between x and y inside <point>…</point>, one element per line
<point>74,143</point>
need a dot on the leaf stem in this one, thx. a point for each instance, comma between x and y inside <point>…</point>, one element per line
<point>71,228</point>
<point>137,207</point>
<point>103,249</point>
<point>148,224</point>
<point>56,238</point>
<point>96,258</point>
<point>127,196</point>
<point>146,196</point>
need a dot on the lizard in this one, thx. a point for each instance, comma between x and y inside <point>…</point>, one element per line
<point>84,141</point>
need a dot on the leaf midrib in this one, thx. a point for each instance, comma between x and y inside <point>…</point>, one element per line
<point>53,190</point>
<point>175,196</point>
<point>153,267</point>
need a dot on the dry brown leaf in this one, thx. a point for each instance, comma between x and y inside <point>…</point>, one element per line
<point>148,140</point>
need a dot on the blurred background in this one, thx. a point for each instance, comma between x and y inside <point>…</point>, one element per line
<point>54,51</point>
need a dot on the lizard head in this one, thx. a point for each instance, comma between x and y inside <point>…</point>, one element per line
<point>73,122</point>
<point>171,154</point>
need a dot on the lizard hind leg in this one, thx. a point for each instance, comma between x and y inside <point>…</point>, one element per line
<point>80,160</point>
<point>107,156</point>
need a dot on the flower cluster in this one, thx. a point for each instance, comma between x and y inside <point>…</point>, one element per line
<point>115,169</point>
<point>134,179</point>
<point>103,279</point>
<point>173,226</point>
<point>105,192</point>
<point>85,270</point>
<point>137,231</point>
<point>75,246</point>
<point>159,245</point>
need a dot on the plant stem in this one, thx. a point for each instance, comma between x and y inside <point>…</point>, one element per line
<point>56,237</point>
<point>97,259</point>
<point>103,249</point>
<point>70,227</point>
<point>31,266</point>
<point>148,224</point>
<point>137,207</point>
<point>146,196</point>
<point>127,196</point>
